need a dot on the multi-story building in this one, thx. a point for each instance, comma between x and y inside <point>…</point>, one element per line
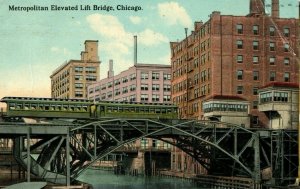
<point>140,83</point>
<point>220,66</point>
<point>71,79</point>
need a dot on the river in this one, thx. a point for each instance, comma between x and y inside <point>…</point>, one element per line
<point>100,179</point>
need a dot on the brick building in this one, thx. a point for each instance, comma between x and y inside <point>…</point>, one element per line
<point>71,79</point>
<point>150,83</point>
<point>228,58</point>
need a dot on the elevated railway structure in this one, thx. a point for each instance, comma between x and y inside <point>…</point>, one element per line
<point>61,152</point>
<point>69,135</point>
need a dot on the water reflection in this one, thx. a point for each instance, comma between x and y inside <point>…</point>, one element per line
<point>100,179</point>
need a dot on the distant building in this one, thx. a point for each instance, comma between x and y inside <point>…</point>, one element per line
<point>71,79</point>
<point>149,83</point>
<point>229,58</point>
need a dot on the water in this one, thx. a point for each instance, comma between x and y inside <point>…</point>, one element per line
<point>100,179</point>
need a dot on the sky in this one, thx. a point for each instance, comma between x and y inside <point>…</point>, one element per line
<point>34,43</point>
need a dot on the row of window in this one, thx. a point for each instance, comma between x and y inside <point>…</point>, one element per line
<point>255,30</point>
<point>132,98</point>
<point>272,75</point>
<point>273,97</point>
<point>48,107</point>
<point>210,107</point>
<point>80,69</point>
<point>255,45</point>
<point>255,59</point>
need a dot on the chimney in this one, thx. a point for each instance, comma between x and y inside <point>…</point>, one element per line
<point>135,50</point>
<point>257,7</point>
<point>110,72</point>
<point>275,8</point>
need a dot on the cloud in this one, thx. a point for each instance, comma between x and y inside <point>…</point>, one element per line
<point>149,37</point>
<point>135,19</point>
<point>116,42</point>
<point>63,51</point>
<point>174,14</point>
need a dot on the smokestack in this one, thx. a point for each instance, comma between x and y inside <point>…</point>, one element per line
<point>257,7</point>
<point>275,8</point>
<point>110,72</point>
<point>135,49</point>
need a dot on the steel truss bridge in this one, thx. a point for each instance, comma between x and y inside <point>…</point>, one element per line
<point>59,152</point>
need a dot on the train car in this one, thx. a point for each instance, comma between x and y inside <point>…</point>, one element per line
<point>47,107</point>
<point>135,110</point>
<point>85,109</point>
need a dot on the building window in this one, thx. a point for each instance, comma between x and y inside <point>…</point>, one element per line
<point>255,45</point>
<point>132,87</point>
<point>286,32</point>
<point>240,74</point>
<point>272,76</point>
<point>286,47</point>
<point>78,94</point>
<point>78,69</point>
<point>255,59</point>
<point>272,60</point>
<point>144,75</point>
<point>239,89</point>
<point>144,97</point>
<point>239,58</point>
<point>254,120</point>
<point>78,86</point>
<point>239,28</point>
<point>124,80</point>
<point>155,87</point>
<point>255,104</point>
<point>272,31</point>
<point>155,98</point>
<point>132,98</point>
<point>132,77</point>
<point>239,44</point>
<point>167,76</point>
<point>255,30</point>
<point>124,90</point>
<point>91,78</point>
<point>167,98</point>
<point>167,88</point>
<point>78,77</point>
<point>255,91</point>
<point>117,82</point>
<point>109,84</point>
<point>109,94</point>
<point>272,46</point>
<point>286,61</point>
<point>90,70</point>
<point>117,92</point>
<point>155,76</point>
<point>286,76</point>
<point>144,87</point>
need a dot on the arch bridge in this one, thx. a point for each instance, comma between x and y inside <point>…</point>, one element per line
<point>60,153</point>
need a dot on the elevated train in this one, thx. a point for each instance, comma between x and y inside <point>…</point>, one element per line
<point>85,109</point>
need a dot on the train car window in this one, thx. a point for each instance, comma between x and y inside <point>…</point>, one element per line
<point>131,109</point>
<point>26,106</point>
<point>163,110</point>
<point>33,106</point>
<point>109,109</point>
<point>84,108</point>
<point>115,109</point>
<point>47,107</point>
<point>12,106</point>
<point>52,107</point>
<point>72,108</point>
<point>157,110</point>
<point>58,107</point>
<point>151,110</point>
<point>19,106</point>
<point>65,108</point>
<point>77,108</point>
<point>169,110</point>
